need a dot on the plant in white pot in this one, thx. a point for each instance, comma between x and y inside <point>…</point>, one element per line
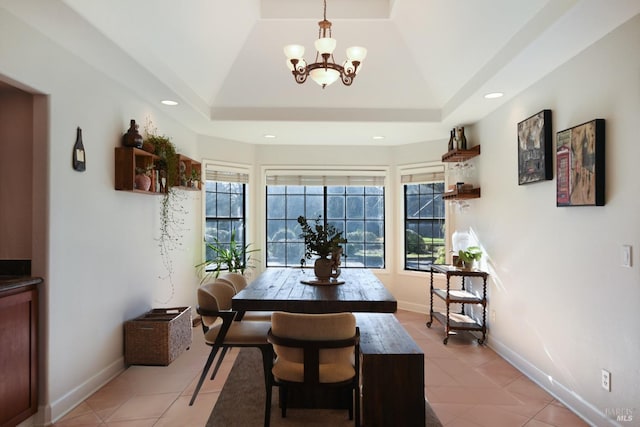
<point>468,256</point>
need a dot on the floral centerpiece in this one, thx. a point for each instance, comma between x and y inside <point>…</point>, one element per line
<point>322,241</point>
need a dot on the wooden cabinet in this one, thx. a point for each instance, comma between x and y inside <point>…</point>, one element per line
<point>458,156</point>
<point>129,160</point>
<point>19,354</point>
<point>458,321</point>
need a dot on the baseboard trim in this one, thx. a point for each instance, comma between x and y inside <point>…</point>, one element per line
<point>570,399</point>
<point>62,406</point>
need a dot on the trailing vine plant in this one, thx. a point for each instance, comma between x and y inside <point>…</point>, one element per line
<point>172,210</point>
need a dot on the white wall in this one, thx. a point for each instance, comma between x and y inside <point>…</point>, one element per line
<point>104,265</point>
<point>564,307</point>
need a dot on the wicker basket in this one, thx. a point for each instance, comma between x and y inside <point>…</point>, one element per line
<point>157,337</point>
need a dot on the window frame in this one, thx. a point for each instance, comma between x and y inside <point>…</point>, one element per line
<point>427,173</point>
<point>238,174</point>
<point>329,177</point>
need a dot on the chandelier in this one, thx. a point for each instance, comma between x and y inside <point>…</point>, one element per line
<point>325,70</point>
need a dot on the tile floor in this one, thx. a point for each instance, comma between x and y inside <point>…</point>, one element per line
<point>466,384</point>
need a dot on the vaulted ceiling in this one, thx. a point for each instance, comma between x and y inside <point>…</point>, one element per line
<point>429,62</point>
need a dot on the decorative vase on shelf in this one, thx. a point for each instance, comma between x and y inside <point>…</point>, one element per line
<point>322,268</point>
<point>132,138</point>
<point>143,182</point>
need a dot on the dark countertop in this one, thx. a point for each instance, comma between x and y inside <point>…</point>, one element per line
<point>8,283</point>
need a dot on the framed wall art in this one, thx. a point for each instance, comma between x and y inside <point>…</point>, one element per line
<point>580,165</point>
<point>535,161</point>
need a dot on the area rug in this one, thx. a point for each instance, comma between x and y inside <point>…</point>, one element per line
<point>241,401</point>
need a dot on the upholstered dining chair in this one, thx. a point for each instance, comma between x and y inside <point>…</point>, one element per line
<point>221,331</point>
<point>316,351</point>
<point>239,282</point>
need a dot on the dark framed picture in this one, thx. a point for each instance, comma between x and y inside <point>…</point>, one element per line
<point>535,160</point>
<point>580,165</point>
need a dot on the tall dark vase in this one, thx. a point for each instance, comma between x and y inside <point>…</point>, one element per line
<point>132,138</point>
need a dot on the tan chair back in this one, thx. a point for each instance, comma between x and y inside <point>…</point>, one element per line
<point>314,327</point>
<point>214,296</point>
<point>237,280</point>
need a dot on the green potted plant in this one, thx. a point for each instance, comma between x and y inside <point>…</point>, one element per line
<point>469,256</point>
<point>232,257</point>
<point>195,177</point>
<point>321,241</point>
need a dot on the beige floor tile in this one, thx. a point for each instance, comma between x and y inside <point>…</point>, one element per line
<point>536,423</point>
<point>181,414</point>
<point>470,396</point>
<point>108,399</point>
<point>501,372</point>
<point>527,391</point>
<point>88,419</point>
<point>527,409</point>
<point>435,376</point>
<point>462,373</point>
<point>150,422</point>
<point>447,412</point>
<point>144,406</point>
<point>558,415</point>
<point>493,416</point>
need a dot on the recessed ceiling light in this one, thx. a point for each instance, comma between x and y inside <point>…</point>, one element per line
<point>377,137</point>
<point>494,95</point>
<point>169,102</point>
<point>269,136</point>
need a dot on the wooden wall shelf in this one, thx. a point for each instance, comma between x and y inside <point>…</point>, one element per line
<point>461,155</point>
<point>128,159</point>
<point>455,156</point>
<point>474,193</point>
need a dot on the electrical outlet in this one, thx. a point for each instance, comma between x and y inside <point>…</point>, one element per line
<point>606,380</point>
<point>493,316</point>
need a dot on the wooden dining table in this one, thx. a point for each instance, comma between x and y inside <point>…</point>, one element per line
<point>281,289</point>
<point>392,373</point>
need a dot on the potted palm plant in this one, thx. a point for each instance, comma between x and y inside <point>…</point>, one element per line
<point>322,241</point>
<point>231,257</point>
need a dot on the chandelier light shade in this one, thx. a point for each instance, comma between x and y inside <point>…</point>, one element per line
<point>324,70</point>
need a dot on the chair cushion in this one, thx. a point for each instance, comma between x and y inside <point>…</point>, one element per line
<point>328,372</point>
<point>241,333</point>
